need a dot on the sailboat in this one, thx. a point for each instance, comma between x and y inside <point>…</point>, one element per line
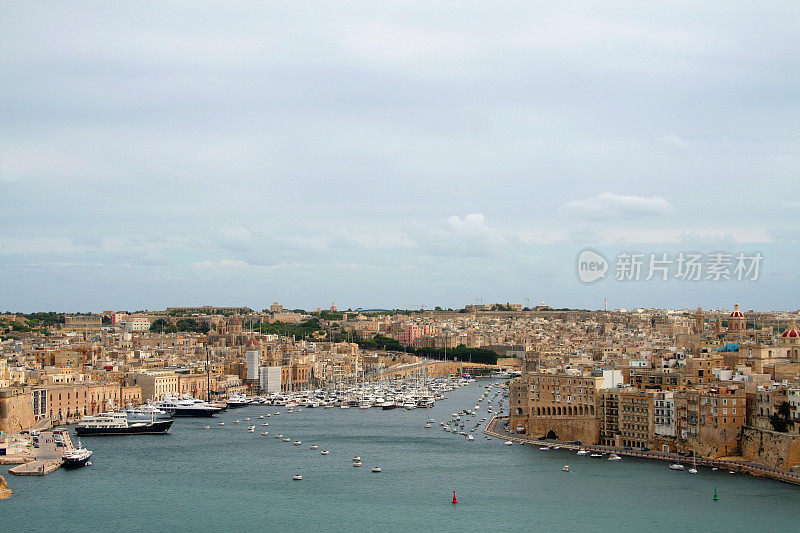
<point>693,469</point>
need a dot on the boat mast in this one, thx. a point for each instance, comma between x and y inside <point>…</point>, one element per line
<point>208,376</point>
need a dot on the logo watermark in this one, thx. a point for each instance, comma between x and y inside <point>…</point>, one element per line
<point>685,266</point>
<point>591,266</point>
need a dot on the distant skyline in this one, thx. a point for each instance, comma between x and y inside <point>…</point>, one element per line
<point>393,155</point>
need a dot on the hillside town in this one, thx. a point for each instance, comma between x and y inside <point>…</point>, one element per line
<point>716,383</point>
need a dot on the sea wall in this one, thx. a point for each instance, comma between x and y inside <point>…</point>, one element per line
<point>770,448</point>
<point>16,411</point>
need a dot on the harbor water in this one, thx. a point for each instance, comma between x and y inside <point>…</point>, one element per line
<point>228,479</point>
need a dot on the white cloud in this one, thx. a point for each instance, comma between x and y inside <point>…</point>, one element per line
<point>607,206</point>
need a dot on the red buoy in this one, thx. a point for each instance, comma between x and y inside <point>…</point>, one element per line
<point>454,497</point>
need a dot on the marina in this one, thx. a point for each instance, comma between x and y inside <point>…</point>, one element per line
<point>177,474</point>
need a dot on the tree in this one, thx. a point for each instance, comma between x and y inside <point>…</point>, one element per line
<point>778,423</point>
<point>161,324</point>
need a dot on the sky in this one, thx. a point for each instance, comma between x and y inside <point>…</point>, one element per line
<point>395,154</point>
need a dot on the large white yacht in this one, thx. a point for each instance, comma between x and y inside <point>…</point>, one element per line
<point>187,406</point>
<point>116,423</point>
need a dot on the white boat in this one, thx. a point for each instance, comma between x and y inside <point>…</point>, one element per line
<point>265,433</point>
<point>508,443</point>
<point>595,455</point>
<point>470,437</point>
<point>565,468</point>
<point>676,466</point>
<point>186,406</point>
<point>358,463</point>
<point>287,439</point>
<point>356,459</point>
<point>614,457</point>
<point>545,448</point>
<point>297,477</point>
<point>297,443</point>
<point>77,457</point>
<point>582,452</point>
<point>314,447</point>
<point>324,452</point>
<point>145,413</point>
<point>376,469</point>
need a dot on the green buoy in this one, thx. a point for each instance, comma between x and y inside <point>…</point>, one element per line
<point>716,498</point>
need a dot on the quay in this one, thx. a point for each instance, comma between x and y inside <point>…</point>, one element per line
<point>497,428</point>
<point>36,468</point>
<point>47,458</point>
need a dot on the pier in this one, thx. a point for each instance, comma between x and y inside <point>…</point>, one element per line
<point>47,458</point>
<point>744,467</point>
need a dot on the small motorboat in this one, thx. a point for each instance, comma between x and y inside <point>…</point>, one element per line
<point>236,421</point>
<point>297,477</point>
<point>265,424</point>
<point>614,457</point>
<point>692,470</point>
<point>314,447</point>
<point>356,459</point>
<point>206,427</point>
<point>470,437</point>
<point>247,419</point>
<point>376,469</point>
<point>565,468</point>
<point>545,448</point>
<point>358,463</point>
<point>222,423</point>
<point>265,433</point>
<point>297,443</point>
<point>582,452</point>
<point>595,455</point>
<point>278,436</point>
<point>287,439</point>
<point>676,466</point>
<point>508,443</point>
<point>324,452</point>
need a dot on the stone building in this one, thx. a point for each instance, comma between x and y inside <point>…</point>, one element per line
<point>556,406</point>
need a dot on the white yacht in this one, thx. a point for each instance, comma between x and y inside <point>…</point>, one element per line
<point>78,457</point>
<point>186,406</point>
<point>118,424</point>
<point>144,413</point>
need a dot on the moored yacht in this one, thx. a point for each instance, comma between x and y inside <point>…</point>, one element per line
<point>186,406</point>
<point>78,457</point>
<point>118,424</point>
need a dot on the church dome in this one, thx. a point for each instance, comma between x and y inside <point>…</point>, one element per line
<point>791,333</point>
<point>736,313</point>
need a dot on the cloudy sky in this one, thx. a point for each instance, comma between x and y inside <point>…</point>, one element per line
<point>387,154</point>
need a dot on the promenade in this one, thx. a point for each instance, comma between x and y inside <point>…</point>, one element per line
<point>498,427</point>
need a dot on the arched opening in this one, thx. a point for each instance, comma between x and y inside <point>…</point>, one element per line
<point>551,435</point>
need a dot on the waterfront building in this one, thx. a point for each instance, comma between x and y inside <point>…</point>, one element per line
<point>557,406</point>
